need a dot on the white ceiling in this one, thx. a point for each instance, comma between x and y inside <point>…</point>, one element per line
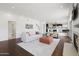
<point>51,12</point>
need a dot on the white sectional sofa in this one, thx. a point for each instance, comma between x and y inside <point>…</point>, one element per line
<point>26,37</point>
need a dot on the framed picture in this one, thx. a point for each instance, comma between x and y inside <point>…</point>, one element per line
<point>29,26</point>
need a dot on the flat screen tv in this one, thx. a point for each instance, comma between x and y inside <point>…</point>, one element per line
<point>75,11</point>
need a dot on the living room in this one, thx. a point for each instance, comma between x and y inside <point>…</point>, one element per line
<point>26,22</point>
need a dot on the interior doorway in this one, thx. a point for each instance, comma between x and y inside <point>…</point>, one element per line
<point>11,29</point>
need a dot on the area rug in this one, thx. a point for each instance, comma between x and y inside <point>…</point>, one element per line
<point>40,49</point>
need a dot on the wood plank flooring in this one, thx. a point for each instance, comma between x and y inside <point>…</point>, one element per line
<point>59,49</point>
<point>4,48</point>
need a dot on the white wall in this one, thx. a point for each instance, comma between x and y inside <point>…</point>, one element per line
<point>42,27</point>
<point>3,28</point>
<point>4,18</point>
<point>20,24</point>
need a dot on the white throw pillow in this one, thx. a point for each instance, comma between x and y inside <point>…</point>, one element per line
<point>23,36</point>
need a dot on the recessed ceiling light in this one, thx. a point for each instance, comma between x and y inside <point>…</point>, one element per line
<point>61,6</point>
<point>13,7</point>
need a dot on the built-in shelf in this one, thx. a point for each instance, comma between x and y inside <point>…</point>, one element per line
<point>50,28</point>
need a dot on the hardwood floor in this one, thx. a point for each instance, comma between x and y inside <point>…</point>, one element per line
<point>4,48</point>
<point>59,49</point>
<point>21,52</point>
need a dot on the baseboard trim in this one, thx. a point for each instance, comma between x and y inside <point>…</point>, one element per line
<point>4,54</point>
